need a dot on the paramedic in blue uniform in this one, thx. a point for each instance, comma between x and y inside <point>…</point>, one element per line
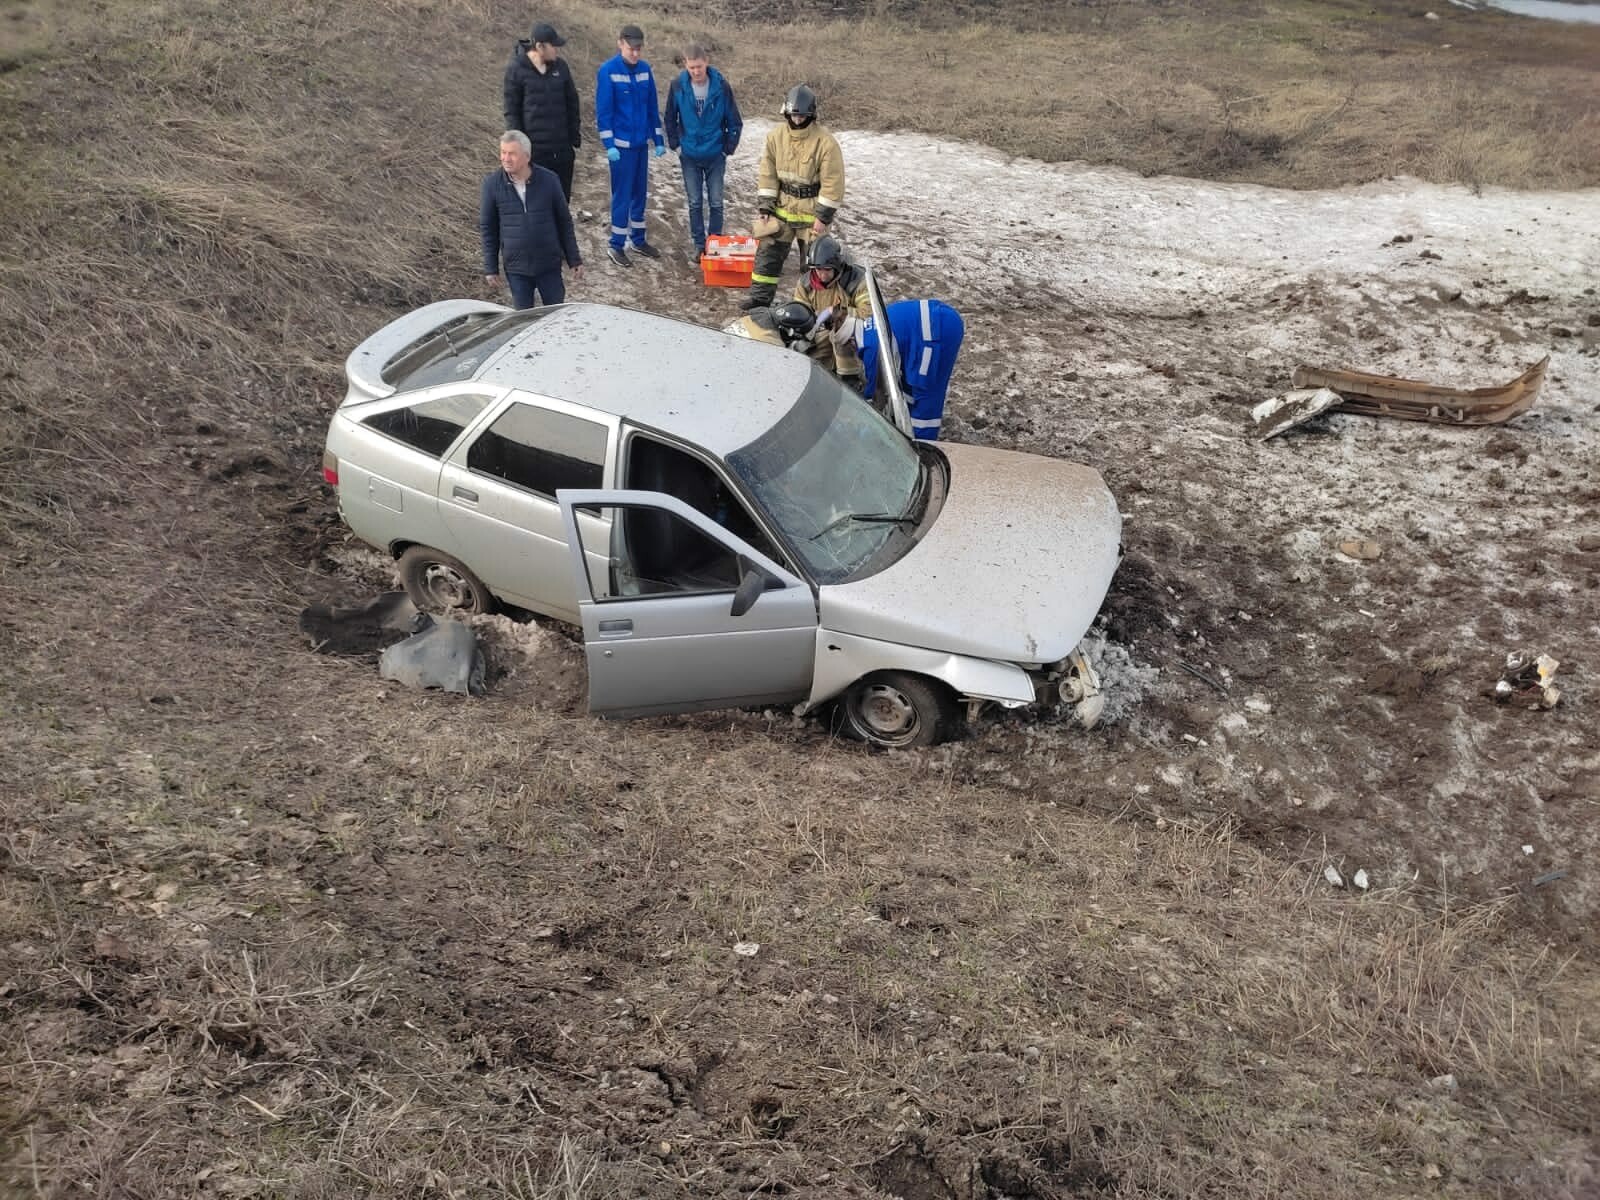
<point>927,337</point>
<point>629,116</point>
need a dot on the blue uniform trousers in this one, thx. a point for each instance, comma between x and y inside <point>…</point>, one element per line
<point>630,177</point>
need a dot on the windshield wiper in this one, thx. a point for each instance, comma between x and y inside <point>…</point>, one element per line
<point>864,519</point>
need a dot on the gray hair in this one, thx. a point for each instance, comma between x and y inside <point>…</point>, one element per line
<point>520,138</point>
<point>694,50</point>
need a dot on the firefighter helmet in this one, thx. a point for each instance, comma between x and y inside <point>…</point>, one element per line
<point>793,320</point>
<point>800,102</point>
<point>826,254</point>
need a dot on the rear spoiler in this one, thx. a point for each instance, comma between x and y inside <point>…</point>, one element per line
<point>364,367</point>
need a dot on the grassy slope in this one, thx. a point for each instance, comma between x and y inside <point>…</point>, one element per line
<point>275,929</point>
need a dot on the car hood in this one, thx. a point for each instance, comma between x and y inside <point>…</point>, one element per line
<point>1014,567</point>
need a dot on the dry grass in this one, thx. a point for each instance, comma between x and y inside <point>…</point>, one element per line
<point>1297,95</point>
<point>274,929</point>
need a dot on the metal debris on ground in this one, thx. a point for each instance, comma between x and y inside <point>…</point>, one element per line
<point>1322,389</point>
<point>443,655</point>
<point>1412,400</point>
<point>1294,408</point>
<point>1527,679</point>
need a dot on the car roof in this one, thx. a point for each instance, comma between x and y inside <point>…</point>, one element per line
<point>710,388</point>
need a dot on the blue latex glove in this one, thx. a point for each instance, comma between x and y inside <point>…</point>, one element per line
<point>657,149</point>
<point>613,154</point>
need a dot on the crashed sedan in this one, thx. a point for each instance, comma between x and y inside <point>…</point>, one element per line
<point>728,524</point>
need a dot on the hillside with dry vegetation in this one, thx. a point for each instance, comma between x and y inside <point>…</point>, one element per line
<point>270,927</point>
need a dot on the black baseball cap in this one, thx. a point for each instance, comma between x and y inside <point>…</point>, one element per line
<point>548,35</point>
<point>632,34</point>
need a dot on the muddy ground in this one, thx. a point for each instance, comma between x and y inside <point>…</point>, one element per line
<point>272,927</point>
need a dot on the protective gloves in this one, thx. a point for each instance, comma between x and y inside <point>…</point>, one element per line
<point>613,154</point>
<point>657,149</point>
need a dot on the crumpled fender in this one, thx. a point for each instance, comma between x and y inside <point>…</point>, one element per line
<point>843,658</point>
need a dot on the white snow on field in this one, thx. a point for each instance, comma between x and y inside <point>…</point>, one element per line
<point>967,221</point>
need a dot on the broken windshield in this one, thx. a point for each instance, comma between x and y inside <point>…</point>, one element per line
<point>842,483</point>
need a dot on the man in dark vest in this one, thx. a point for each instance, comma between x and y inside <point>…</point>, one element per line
<point>541,100</point>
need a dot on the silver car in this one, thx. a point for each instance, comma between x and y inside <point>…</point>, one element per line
<point>728,524</point>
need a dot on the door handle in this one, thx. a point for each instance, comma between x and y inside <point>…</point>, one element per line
<point>467,494</point>
<point>617,628</point>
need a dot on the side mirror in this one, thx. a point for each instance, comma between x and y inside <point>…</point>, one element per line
<point>751,584</point>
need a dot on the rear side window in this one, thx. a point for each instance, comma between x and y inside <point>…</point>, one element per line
<point>432,425</point>
<point>541,450</point>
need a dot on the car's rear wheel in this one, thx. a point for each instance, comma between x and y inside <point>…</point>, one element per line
<point>440,584</point>
<point>899,710</point>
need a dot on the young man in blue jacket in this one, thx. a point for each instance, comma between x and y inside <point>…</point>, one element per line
<point>927,337</point>
<point>629,116</point>
<point>523,216</point>
<point>703,126</point>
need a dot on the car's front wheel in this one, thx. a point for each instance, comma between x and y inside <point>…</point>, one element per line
<point>899,710</point>
<point>440,584</point>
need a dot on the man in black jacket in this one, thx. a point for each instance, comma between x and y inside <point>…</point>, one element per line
<point>542,101</point>
<point>524,220</point>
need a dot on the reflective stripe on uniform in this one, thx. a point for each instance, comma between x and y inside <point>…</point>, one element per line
<point>620,230</point>
<point>933,424</point>
<point>621,145</point>
<point>794,218</point>
<point>605,133</point>
<point>622,78</point>
<point>927,359</point>
<point>830,201</point>
<point>927,324</point>
<point>754,278</point>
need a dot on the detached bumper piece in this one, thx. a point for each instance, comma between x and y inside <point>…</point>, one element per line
<point>1410,400</point>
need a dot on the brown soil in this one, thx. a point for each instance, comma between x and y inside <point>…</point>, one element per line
<point>272,927</point>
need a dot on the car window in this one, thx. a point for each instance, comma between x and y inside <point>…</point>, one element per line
<point>432,425</point>
<point>657,553</point>
<point>455,350</point>
<point>541,450</point>
<point>657,467</point>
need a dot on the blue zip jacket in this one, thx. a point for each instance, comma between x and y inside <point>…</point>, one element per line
<point>927,337</point>
<point>532,238</point>
<point>703,136</point>
<point>625,105</point>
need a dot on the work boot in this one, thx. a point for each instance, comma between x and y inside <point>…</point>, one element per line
<point>620,257</point>
<point>759,297</point>
<point>646,249</point>
<point>692,256</point>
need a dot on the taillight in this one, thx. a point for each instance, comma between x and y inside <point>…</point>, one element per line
<point>330,468</point>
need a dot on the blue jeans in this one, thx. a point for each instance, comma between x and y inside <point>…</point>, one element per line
<point>702,181</point>
<point>551,288</point>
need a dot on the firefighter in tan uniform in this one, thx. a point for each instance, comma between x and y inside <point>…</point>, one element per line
<point>799,188</point>
<point>837,292</point>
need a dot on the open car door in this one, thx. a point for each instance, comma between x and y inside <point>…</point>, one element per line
<point>888,385</point>
<point>696,617</point>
